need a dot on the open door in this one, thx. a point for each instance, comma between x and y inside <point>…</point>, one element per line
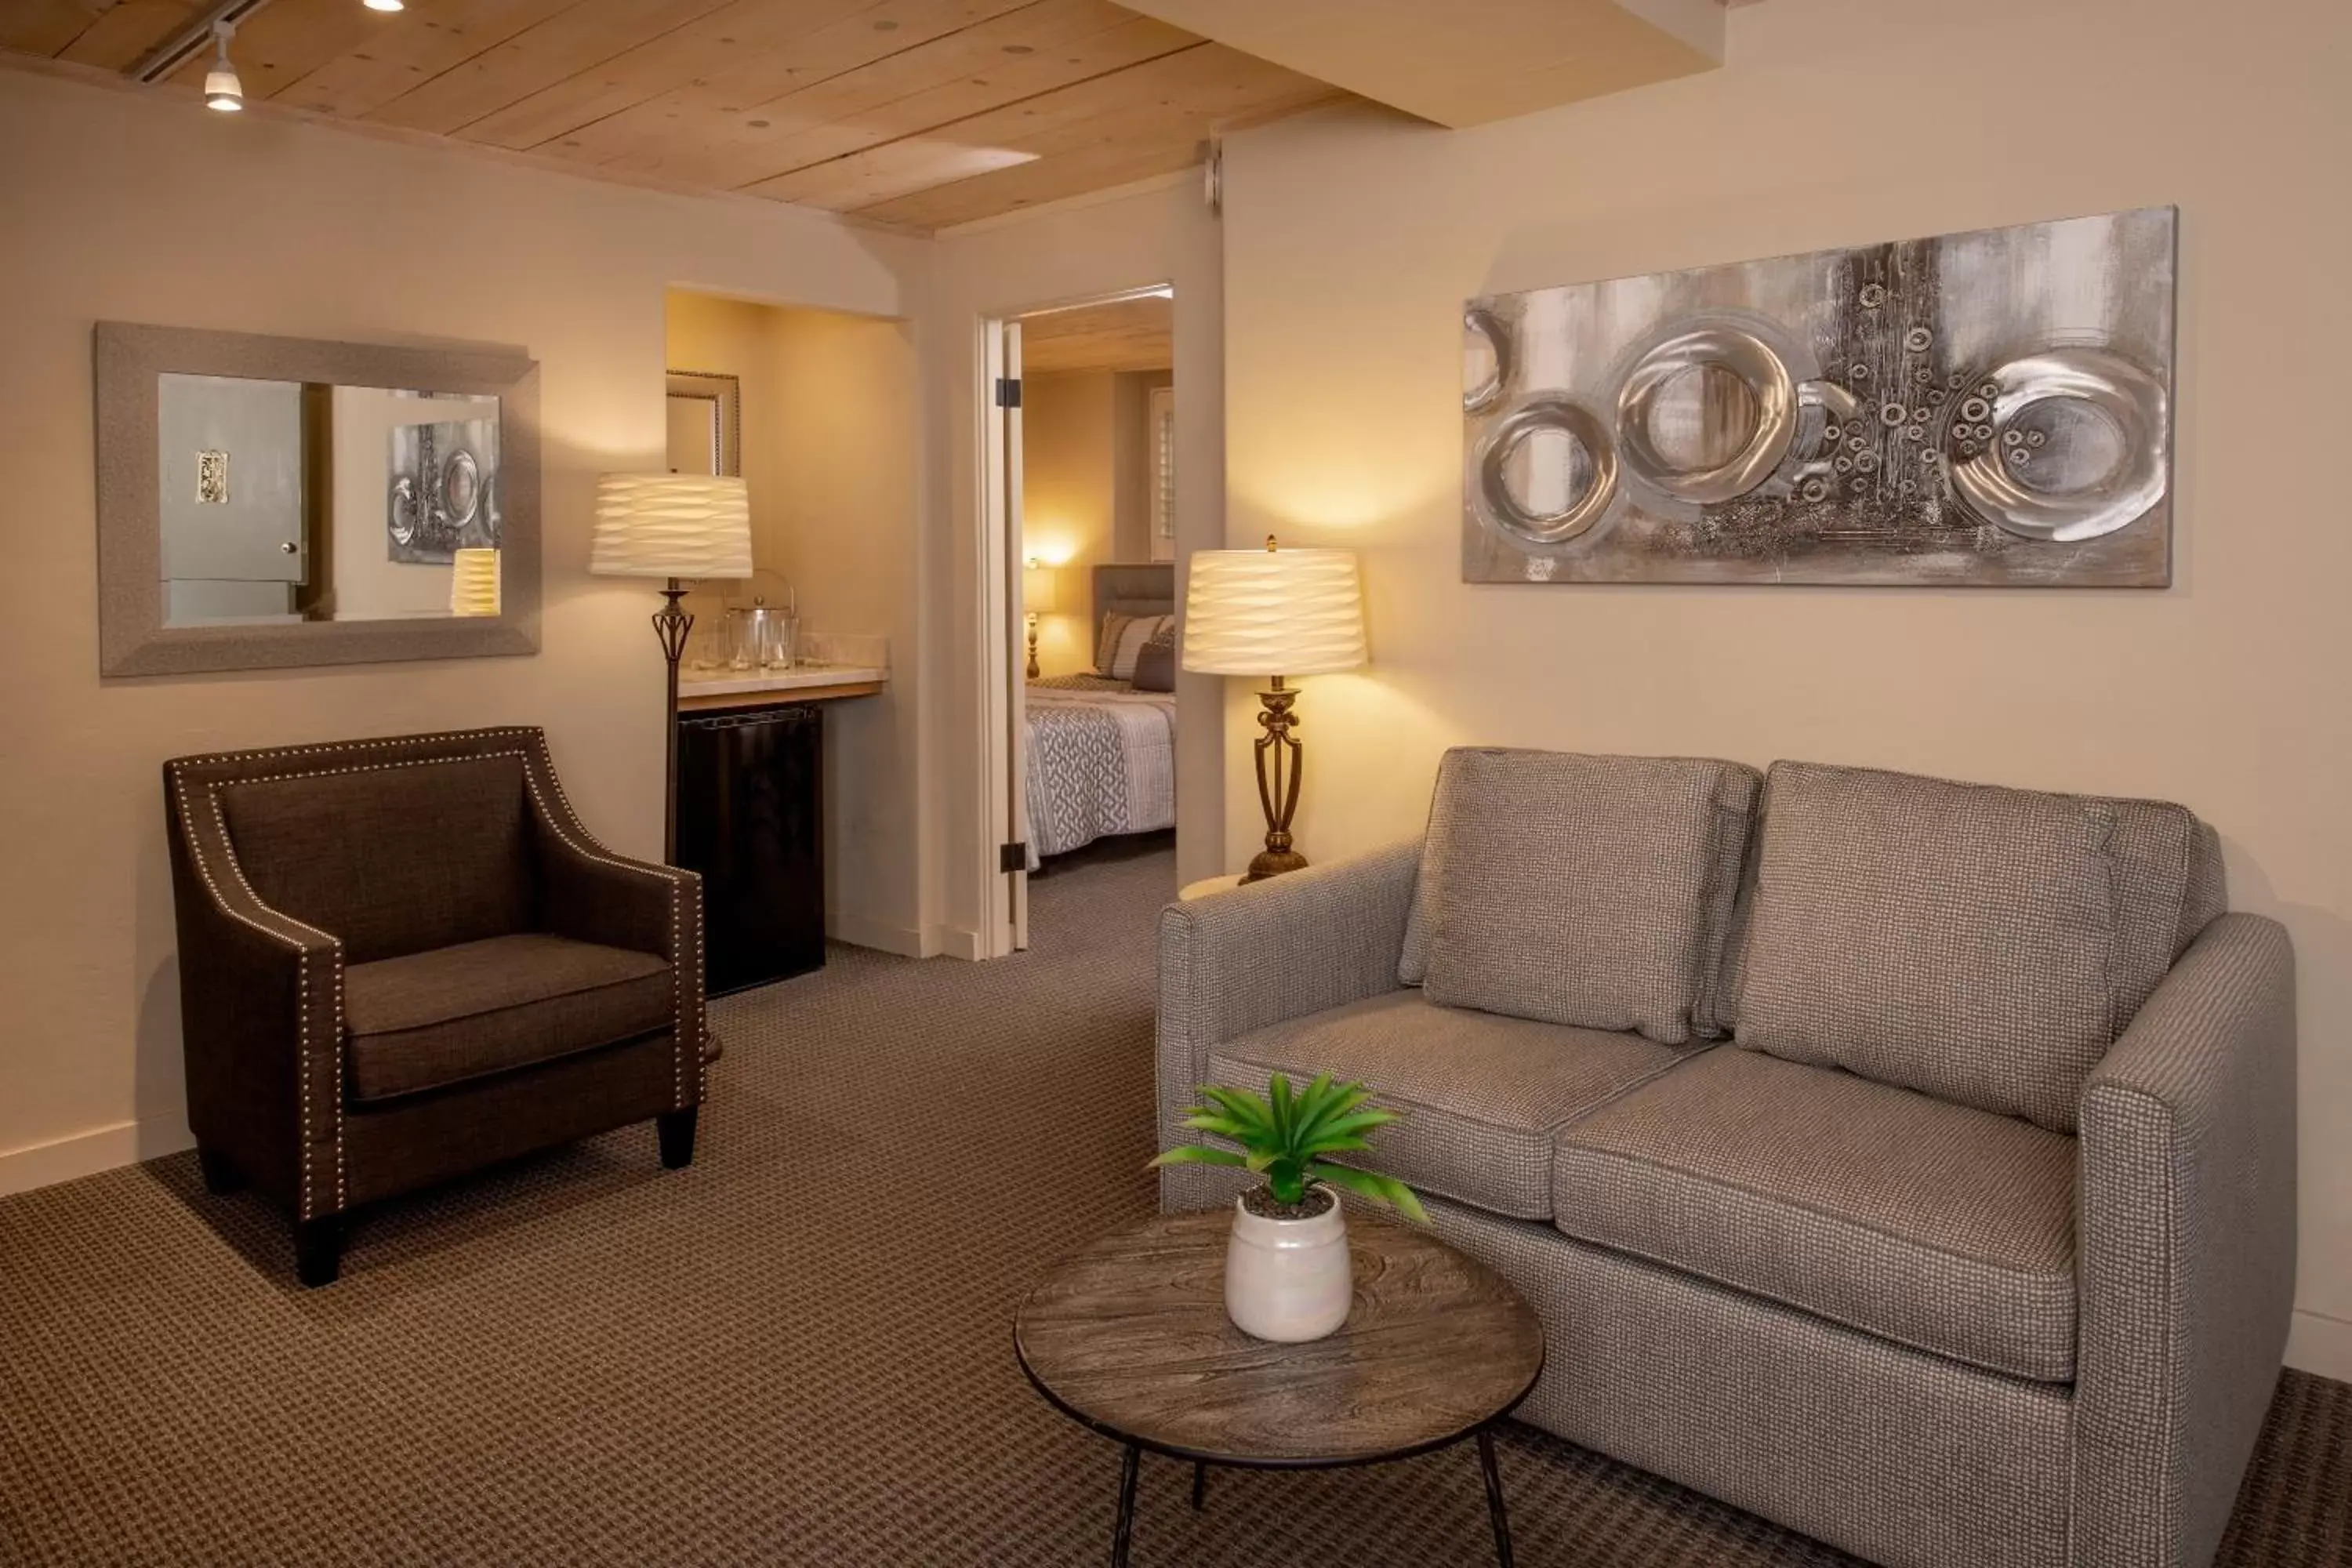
<point>1001,558</point>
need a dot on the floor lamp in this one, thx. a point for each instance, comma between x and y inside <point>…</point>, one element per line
<point>676,527</point>
<point>1273,612</point>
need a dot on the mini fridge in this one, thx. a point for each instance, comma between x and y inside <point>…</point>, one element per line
<point>751,819</point>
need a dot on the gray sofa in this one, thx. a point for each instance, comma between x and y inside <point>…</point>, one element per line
<point>1910,1163</point>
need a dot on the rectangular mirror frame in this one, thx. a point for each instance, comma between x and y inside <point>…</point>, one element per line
<point>132,637</point>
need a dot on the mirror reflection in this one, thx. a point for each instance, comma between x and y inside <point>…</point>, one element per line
<point>286,500</point>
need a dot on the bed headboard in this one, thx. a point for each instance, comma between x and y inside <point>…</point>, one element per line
<point>1140,588</point>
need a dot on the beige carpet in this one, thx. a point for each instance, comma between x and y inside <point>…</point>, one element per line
<point>797,1352</point>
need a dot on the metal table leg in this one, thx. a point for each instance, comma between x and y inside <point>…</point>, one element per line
<point>1119,1541</point>
<point>1200,1482</point>
<point>1495,1512</point>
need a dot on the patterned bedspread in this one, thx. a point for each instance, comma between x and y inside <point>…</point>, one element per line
<point>1101,761</point>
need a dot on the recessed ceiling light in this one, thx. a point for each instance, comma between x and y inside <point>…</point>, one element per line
<point>222,89</point>
<point>384,5</point>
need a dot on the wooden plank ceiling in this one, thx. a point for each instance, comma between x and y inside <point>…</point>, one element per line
<point>1125,335</point>
<point>922,113</point>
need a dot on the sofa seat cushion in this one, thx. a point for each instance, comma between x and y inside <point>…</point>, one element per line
<point>449,1014</point>
<point>1482,1094</point>
<point>1936,1226</point>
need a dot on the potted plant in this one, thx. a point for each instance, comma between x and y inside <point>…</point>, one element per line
<point>1287,1276</point>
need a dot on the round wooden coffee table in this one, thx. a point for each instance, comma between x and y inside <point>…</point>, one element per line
<point>1130,1338</point>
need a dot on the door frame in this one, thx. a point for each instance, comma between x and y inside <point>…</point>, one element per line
<point>1004,929</point>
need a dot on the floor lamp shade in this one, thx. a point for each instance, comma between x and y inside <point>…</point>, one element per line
<point>474,582</point>
<point>1273,612</point>
<point>671,525</point>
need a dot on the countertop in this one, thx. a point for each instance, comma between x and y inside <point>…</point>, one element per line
<point>799,677</point>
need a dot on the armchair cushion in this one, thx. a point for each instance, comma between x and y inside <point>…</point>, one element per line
<point>1586,891</point>
<point>1936,1226</point>
<point>1980,944</point>
<point>428,1019</point>
<point>1482,1093</point>
<point>392,855</point>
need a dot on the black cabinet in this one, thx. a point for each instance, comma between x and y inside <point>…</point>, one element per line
<point>751,819</point>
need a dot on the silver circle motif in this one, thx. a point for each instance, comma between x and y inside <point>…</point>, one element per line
<point>1490,329</point>
<point>1894,413</point>
<point>1702,348</point>
<point>1918,339</point>
<point>1584,511</point>
<point>2111,390</point>
<point>1873,296</point>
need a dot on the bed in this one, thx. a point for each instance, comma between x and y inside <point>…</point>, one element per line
<point>1101,755</point>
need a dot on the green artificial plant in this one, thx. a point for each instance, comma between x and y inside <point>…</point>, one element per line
<point>1285,1136</point>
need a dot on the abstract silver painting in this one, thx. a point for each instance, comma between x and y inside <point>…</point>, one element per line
<point>444,492</point>
<point>1983,409</point>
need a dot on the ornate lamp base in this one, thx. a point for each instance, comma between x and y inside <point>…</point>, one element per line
<point>1280,763</point>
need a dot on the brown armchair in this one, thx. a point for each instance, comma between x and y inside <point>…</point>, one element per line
<point>405,959</point>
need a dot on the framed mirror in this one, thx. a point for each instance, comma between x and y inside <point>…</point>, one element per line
<point>269,502</point>
<point>706,422</point>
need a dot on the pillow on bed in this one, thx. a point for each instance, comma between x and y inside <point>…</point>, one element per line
<point>1155,663</point>
<point>1123,637</point>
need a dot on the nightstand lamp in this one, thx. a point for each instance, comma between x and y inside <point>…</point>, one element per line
<point>677,527</point>
<point>1273,612</point>
<point>1038,582</point>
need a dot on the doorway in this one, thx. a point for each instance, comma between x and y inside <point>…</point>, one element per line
<point>1079,544</point>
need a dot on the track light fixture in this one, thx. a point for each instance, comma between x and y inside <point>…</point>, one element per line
<point>384,5</point>
<point>222,89</point>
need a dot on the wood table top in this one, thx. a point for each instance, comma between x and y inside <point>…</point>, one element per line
<point>1131,1337</point>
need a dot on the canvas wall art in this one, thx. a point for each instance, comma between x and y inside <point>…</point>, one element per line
<point>1991,409</point>
<point>444,490</point>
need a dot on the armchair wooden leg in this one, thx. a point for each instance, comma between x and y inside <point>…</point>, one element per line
<point>676,1131</point>
<point>318,1249</point>
<point>221,1178</point>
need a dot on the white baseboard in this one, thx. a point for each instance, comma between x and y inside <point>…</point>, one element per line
<point>87,1153</point>
<point>2317,1343</point>
<point>858,931</point>
<point>954,942</point>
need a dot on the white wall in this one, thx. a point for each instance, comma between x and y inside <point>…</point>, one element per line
<point>1069,496</point>
<point>1159,233</point>
<point>150,209</point>
<point>1352,239</point>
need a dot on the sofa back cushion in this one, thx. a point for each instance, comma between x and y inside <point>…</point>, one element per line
<point>1586,891</point>
<point>391,860</point>
<point>1979,944</point>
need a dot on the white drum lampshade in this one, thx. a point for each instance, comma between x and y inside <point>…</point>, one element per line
<point>1275,612</point>
<point>474,583</point>
<point>671,525</point>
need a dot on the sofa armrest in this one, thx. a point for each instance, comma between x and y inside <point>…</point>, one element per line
<point>261,1015</point>
<point>2187,1249</point>
<point>1250,956</point>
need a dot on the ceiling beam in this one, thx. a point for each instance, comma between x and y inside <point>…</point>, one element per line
<point>1466,62</point>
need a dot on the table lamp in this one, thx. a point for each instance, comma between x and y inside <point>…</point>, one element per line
<point>1037,595</point>
<point>674,526</point>
<point>1273,612</point>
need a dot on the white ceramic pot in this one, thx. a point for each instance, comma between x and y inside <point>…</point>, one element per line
<point>1288,1280</point>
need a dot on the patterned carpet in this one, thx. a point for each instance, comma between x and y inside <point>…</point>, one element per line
<point>797,1352</point>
